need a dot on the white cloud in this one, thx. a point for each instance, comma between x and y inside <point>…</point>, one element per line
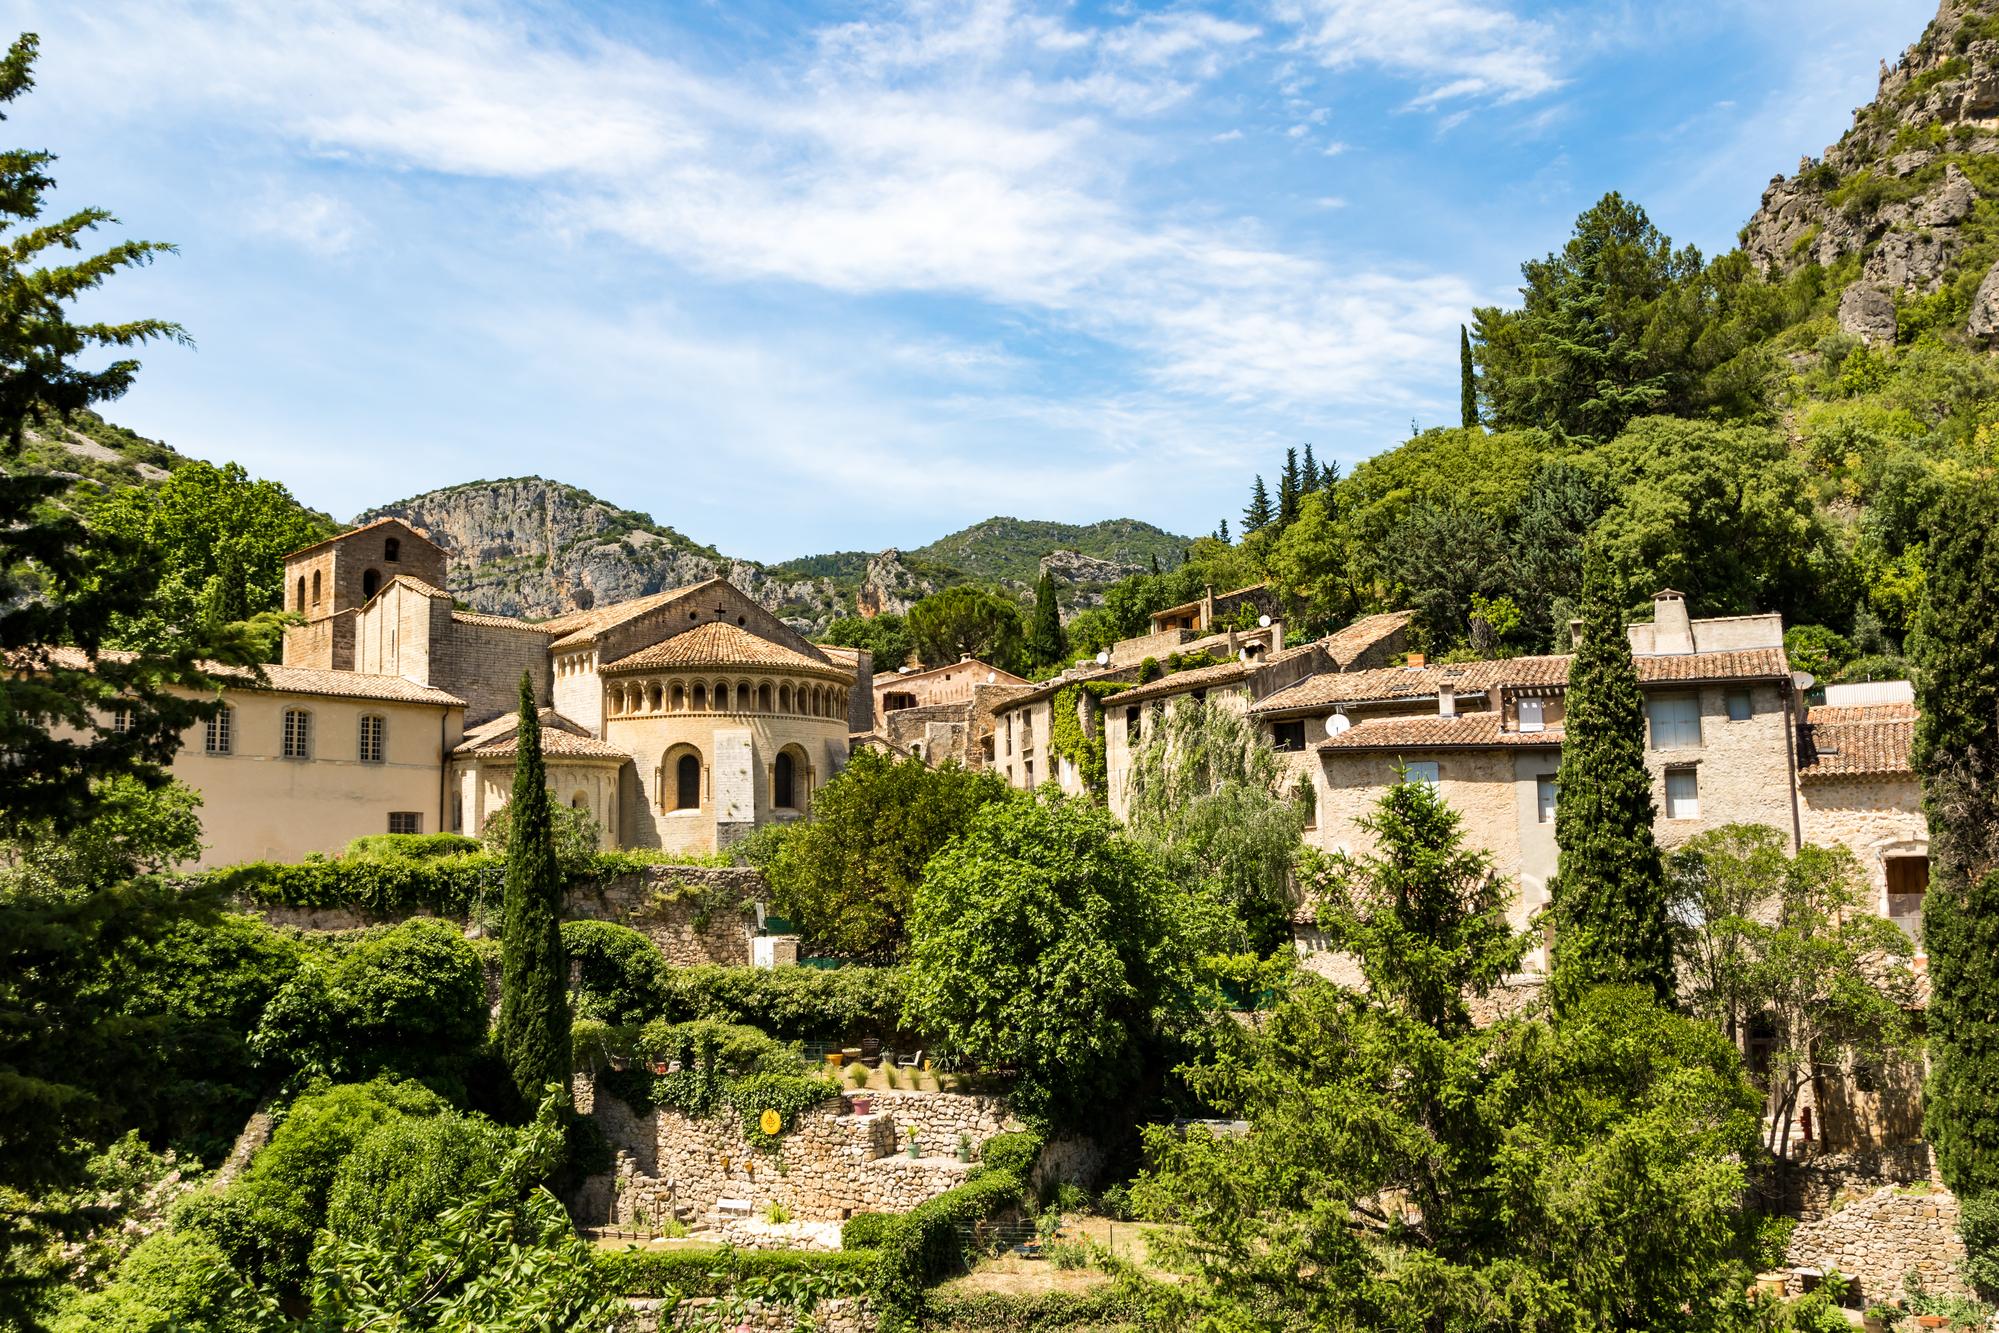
<point>317,223</point>
<point>1459,49</point>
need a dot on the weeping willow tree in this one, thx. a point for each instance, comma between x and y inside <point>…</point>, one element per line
<point>1211,800</point>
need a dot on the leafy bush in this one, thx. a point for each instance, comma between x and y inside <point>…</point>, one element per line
<point>927,1245</point>
<point>409,998</point>
<point>1816,649</point>
<point>794,1003</point>
<point>621,974</point>
<point>867,1231</point>
<point>636,1272</point>
<point>577,836</point>
<point>448,884</point>
<point>407,1171</point>
<point>1114,1307</point>
<point>388,847</point>
<point>1016,1152</point>
<point>176,1279</point>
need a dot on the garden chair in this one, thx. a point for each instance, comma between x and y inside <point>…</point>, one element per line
<point>911,1061</point>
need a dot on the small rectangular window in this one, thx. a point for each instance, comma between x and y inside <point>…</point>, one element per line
<point>218,736</point>
<point>1544,798</point>
<point>1683,794</point>
<point>1740,706</point>
<point>298,734</point>
<point>1530,715</point>
<point>1424,770</point>
<point>121,719</point>
<point>373,732</point>
<point>1131,726</point>
<point>1027,769</point>
<point>1676,722</point>
<point>1288,736</point>
<point>405,821</point>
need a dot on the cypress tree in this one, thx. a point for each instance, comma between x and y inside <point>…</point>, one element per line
<point>1467,380</point>
<point>1222,532</point>
<point>1046,643</point>
<point>1259,514</point>
<point>1155,564</point>
<point>534,982</point>
<point>1287,489</point>
<point>1954,650</point>
<point>1609,890</point>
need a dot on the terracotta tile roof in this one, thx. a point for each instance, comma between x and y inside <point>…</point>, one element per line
<point>580,627</point>
<point>498,622</point>
<point>886,680</point>
<point>1180,682</point>
<point>402,523</point>
<point>1466,730</point>
<point>560,738</point>
<point>1343,646</point>
<point>415,584</point>
<point>718,643</point>
<point>1856,742</point>
<point>281,680</point>
<point>1386,684</point>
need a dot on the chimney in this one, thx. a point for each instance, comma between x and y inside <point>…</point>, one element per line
<point>1415,661</point>
<point>1447,700</point>
<point>1672,632</point>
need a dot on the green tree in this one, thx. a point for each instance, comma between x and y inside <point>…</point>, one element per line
<point>217,541</point>
<point>1443,560</point>
<point>1408,1168</point>
<point>848,875</point>
<point>1258,515</point>
<point>1289,489</point>
<point>1210,800</point>
<point>966,621</point>
<point>1762,933</point>
<point>1045,940</point>
<point>886,637</point>
<point>1308,565</point>
<point>1560,508</point>
<point>1046,645</point>
<point>533,1028</point>
<point>1308,474</point>
<point>1467,381</point>
<point>1954,650</point>
<point>1608,894</point>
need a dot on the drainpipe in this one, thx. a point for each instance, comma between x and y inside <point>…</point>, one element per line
<point>1791,723</point>
<point>443,768</point>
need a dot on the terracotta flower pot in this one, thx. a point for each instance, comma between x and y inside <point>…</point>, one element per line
<point>1931,1320</point>
<point>864,1105</point>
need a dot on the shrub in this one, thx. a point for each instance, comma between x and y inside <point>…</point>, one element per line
<point>926,1245</point>
<point>1016,1153</point>
<point>622,979</point>
<point>1119,1306</point>
<point>391,847</point>
<point>407,1171</point>
<point>172,1280</point>
<point>795,1003</point>
<point>449,884</point>
<point>868,1231</point>
<point>636,1272</point>
<point>577,836</point>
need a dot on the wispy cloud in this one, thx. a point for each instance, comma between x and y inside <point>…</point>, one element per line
<point>1459,50</point>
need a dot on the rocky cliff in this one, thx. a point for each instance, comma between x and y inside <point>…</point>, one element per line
<point>531,547</point>
<point>1904,209</point>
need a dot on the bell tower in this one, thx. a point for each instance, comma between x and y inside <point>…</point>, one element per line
<point>329,581</point>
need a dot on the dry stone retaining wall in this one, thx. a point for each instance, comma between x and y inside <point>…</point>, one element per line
<point>842,1314</point>
<point>1880,1238</point>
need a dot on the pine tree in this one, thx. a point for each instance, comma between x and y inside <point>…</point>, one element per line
<point>1046,644</point>
<point>1259,515</point>
<point>1287,490</point>
<point>1222,532</point>
<point>1467,380</point>
<point>1954,650</point>
<point>1609,890</point>
<point>533,1029</point>
<point>1308,474</point>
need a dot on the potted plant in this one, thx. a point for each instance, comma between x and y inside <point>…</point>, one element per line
<point>1879,1317</point>
<point>915,1146</point>
<point>863,1104</point>
<point>964,1147</point>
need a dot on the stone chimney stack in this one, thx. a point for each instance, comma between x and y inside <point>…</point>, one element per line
<point>1672,632</point>
<point>1447,700</point>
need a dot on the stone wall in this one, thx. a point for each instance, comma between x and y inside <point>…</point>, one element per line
<point>842,1314</point>
<point>1819,1186</point>
<point>692,914</point>
<point>1878,1239</point>
<point>831,1164</point>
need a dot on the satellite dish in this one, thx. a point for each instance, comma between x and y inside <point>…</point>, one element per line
<point>1338,723</point>
<point>1103,659</point>
<point>1802,681</point>
<point>1263,622</point>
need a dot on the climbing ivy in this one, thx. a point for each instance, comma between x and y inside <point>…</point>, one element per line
<point>1078,739</point>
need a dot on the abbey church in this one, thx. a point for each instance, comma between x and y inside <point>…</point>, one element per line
<point>681,720</point>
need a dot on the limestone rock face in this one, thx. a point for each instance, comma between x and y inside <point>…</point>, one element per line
<point>1075,567</point>
<point>1984,320</point>
<point>1868,313</point>
<point>890,586</point>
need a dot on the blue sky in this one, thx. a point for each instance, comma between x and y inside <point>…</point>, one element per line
<point>801,277</point>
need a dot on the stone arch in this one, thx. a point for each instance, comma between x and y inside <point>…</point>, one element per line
<point>746,701</point>
<point>580,801</point>
<point>301,592</point>
<point>766,697</point>
<point>371,583</point>
<point>784,698</point>
<point>789,779</point>
<point>698,700</point>
<point>392,551</point>
<point>315,587</point>
<point>680,779</point>
<point>678,698</point>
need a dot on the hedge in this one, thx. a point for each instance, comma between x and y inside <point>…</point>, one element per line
<point>1117,1307</point>
<point>793,1003</point>
<point>923,1245</point>
<point>445,883</point>
<point>1016,1152</point>
<point>716,1272</point>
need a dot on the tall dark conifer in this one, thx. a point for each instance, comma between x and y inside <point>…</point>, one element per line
<point>1287,489</point>
<point>1467,380</point>
<point>1222,532</point>
<point>1046,644</point>
<point>1954,650</point>
<point>1609,890</point>
<point>534,982</point>
<point>1259,515</point>
<point>1308,474</point>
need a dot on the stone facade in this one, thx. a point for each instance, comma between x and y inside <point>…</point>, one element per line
<point>1879,1239</point>
<point>842,1314</point>
<point>830,1165</point>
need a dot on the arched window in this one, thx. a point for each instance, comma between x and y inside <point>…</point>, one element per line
<point>679,698</point>
<point>301,592</point>
<point>298,734</point>
<point>392,551</point>
<point>579,802</point>
<point>700,704</point>
<point>687,783</point>
<point>784,782</point>
<point>784,699</point>
<point>370,582</point>
<point>315,587</point>
<point>763,697</point>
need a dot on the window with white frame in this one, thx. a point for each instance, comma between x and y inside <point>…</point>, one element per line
<point>405,821</point>
<point>1683,794</point>
<point>1423,770</point>
<point>1544,798</point>
<point>1676,722</point>
<point>1531,715</point>
<point>1740,706</point>
<point>297,734</point>
<point>218,736</point>
<point>121,719</point>
<point>374,735</point>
